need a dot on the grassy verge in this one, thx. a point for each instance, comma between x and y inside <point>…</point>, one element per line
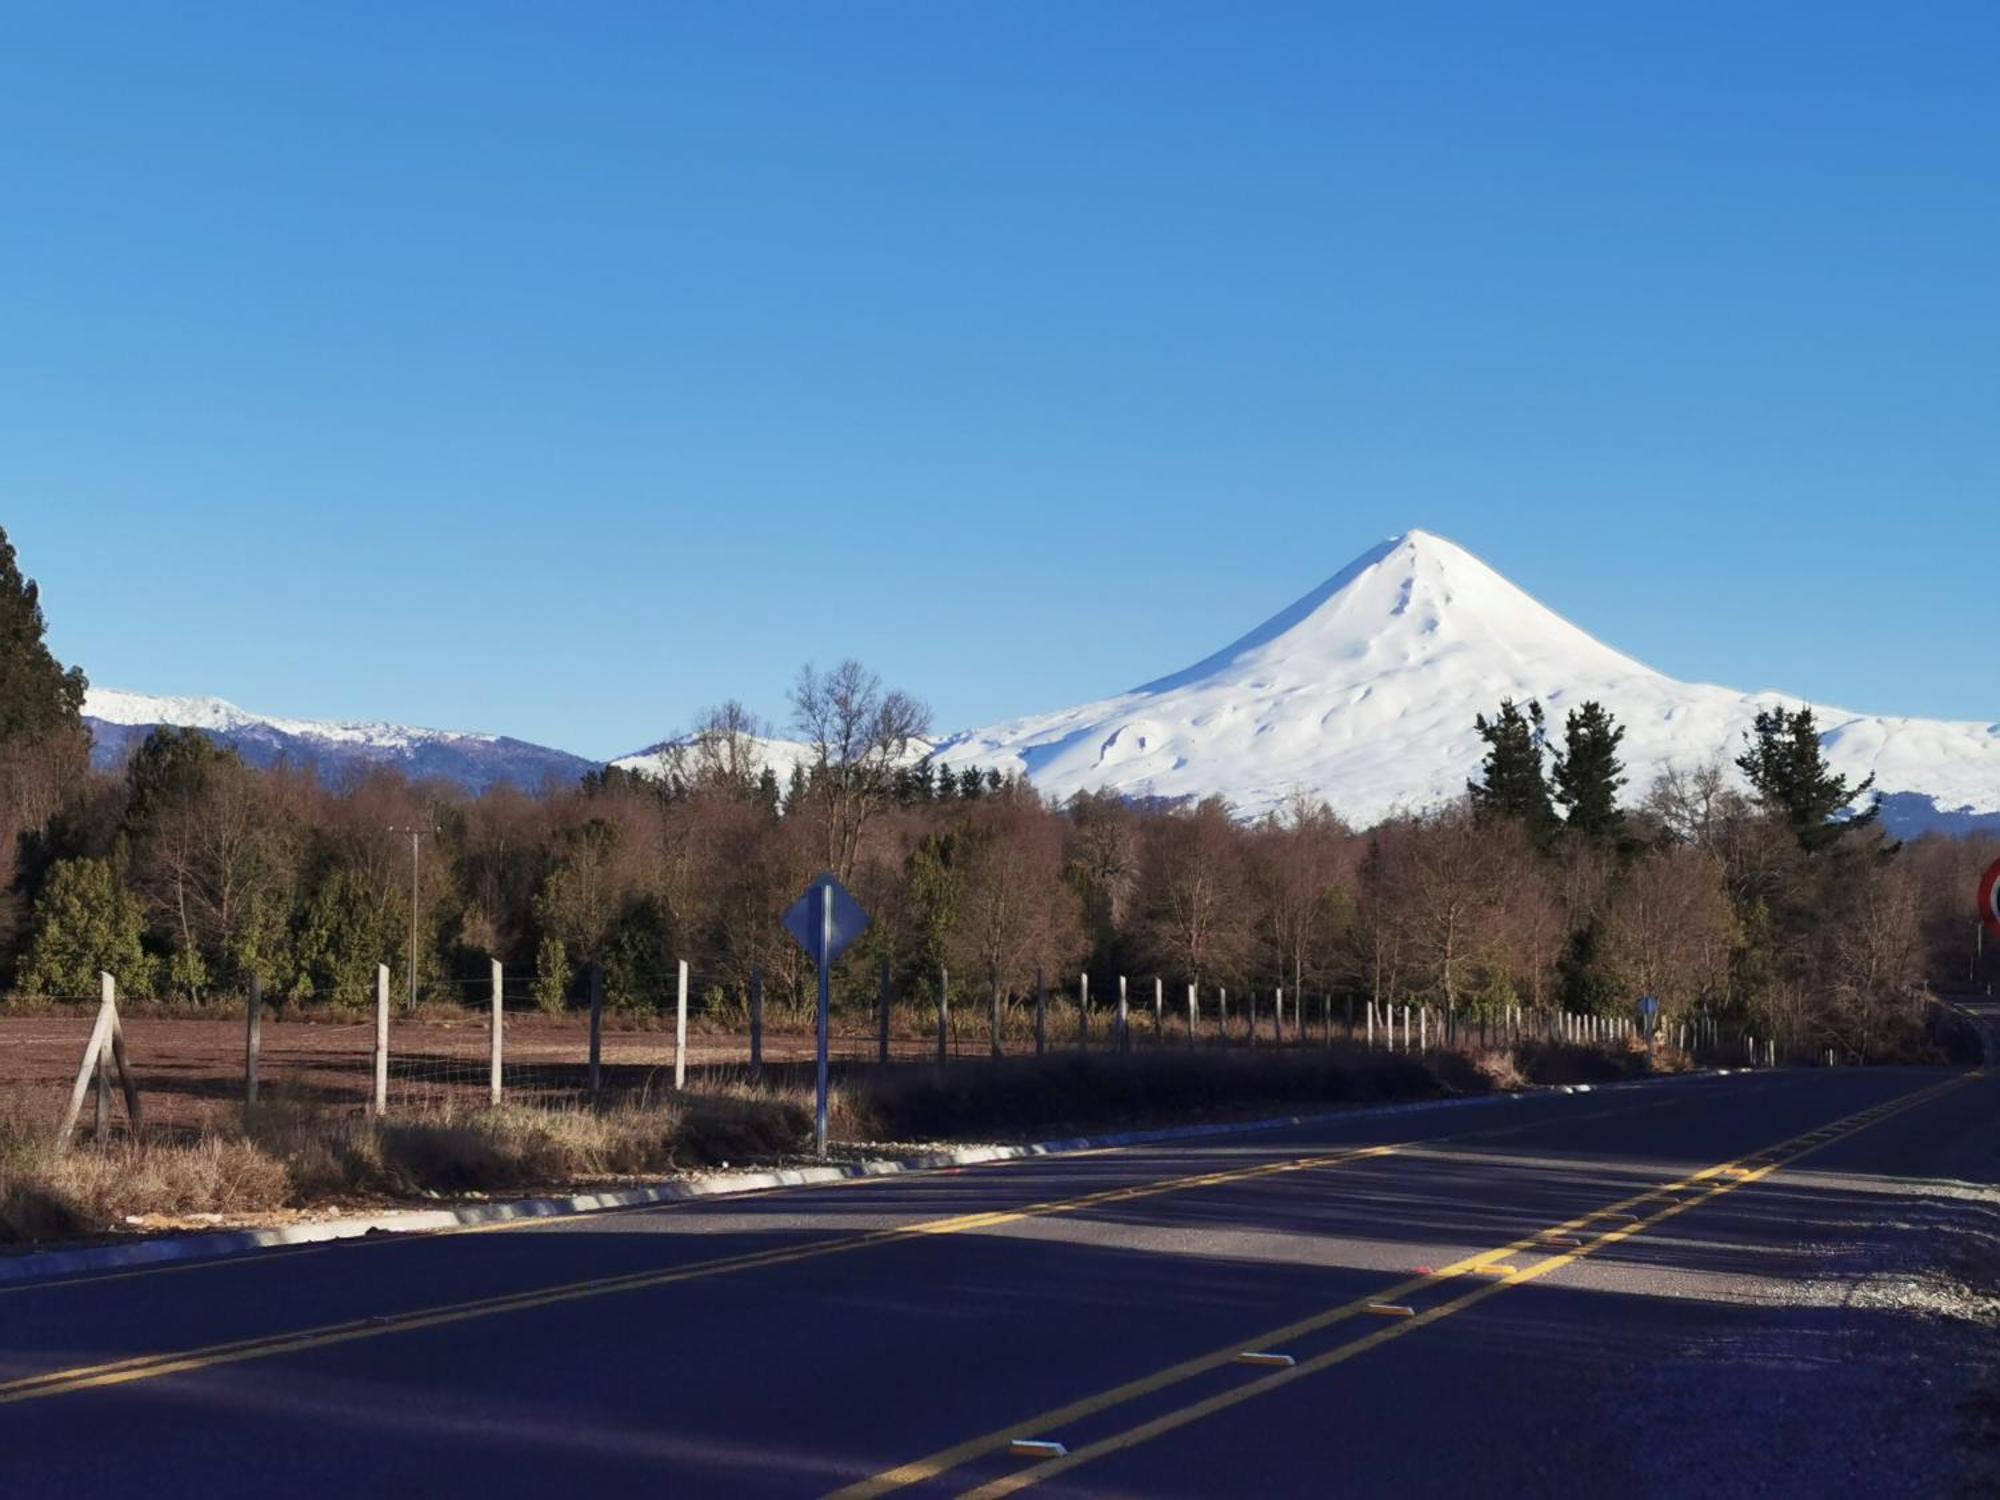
<point>279,1159</point>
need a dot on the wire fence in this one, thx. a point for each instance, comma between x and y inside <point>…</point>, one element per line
<point>197,1068</point>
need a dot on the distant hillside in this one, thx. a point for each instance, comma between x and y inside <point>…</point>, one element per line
<point>336,750</point>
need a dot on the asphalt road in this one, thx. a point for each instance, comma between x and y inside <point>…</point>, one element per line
<point>1709,1286</point>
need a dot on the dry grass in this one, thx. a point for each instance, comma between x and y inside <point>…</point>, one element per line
<point>291,1159</point>
<point>278,1157</point>
<point>49,1194</point>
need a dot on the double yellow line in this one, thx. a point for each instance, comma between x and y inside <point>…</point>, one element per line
<point>1680,1195</point>
<point>153,1366</point>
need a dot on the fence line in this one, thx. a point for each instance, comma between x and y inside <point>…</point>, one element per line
<point>395,1061</point>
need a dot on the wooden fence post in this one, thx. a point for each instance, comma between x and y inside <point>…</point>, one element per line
<point>680,1025</point>
<point>93,1050</point>
<point>127,1084</point>
<point>496,1045</point>
<point>1041,1013</point>
<point>252,1023</point>
<point>1250,1009</point>
<point>380,1104</point>
<point>993,1014</point>
<point>1222,1018</point>
<point>101,1124</point>
<point>756,1023</point>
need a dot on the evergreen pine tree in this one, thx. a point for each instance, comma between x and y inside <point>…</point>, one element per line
<point>169,763</point>
<point>1787,767</point>
<point>795,789</point>
<point>1512,783</point>
<point>971,785</point>
<point>769,796</point>
<point>86,923</point>
<point>947,784</point>
<point>1588,774</point>
<point>37,697</point>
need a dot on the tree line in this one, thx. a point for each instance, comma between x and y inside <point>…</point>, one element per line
<point>1760,893</point>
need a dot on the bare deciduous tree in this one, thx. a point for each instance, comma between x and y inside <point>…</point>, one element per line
<point>1194,894</point>
<point>860,734</point>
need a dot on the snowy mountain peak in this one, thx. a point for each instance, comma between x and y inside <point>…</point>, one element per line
<point>1364,693</point>
<point>120,721</point>
<point>1413,598</point>
<point>219,716</point>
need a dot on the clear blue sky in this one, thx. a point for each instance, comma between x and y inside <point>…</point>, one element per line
<point>558,369</point>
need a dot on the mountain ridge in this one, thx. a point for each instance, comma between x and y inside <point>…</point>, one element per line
<point>1362,691</point>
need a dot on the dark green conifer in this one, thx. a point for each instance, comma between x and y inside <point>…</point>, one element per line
<point>37,697</point>
<point>1588,774</point>
<point>1787,767</point>
<point>1512,783</point>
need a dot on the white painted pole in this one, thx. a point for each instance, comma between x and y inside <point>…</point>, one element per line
<point>681,1030</point>
<point>1194,1016</point>
<point>381,1101</point>
<point>1371,1025</point>
<point>1159,1010</point>
<point>1124,1019</point>
<point>496,1048</point>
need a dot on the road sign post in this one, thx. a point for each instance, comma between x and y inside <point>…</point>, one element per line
<point>824,922</point>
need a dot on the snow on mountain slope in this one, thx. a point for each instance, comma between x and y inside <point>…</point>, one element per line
<point>780,755</point>
<point>1364,692</point>
<point>119,720</point>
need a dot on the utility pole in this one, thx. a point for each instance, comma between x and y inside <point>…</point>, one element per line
<point>416,835</point>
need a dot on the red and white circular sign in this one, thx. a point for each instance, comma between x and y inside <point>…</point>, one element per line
<point>1989,898</point>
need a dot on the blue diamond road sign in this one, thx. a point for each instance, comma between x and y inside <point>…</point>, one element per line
<point>1649,1006</point>
<point>808,921</point>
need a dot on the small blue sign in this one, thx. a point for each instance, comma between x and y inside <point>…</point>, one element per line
<point>1649,1006</point>
<point>826,910</point>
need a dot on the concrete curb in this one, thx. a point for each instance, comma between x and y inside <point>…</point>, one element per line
<point>49,1265</point>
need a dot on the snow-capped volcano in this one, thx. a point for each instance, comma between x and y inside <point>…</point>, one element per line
<point>1364,692</point>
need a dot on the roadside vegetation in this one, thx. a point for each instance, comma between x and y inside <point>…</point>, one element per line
<point>279,1158</point>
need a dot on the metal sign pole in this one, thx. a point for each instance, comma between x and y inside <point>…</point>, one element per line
<point>824,922</point>
<point>825,943</point>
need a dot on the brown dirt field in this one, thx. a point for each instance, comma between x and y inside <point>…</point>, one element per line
<point>190,1069</point>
